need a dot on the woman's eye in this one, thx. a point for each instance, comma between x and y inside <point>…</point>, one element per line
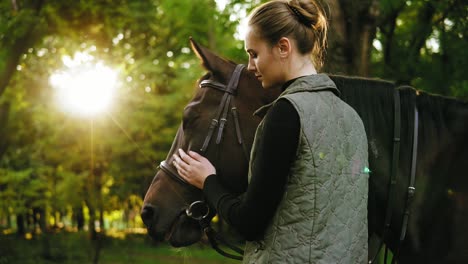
<point>252,55</point>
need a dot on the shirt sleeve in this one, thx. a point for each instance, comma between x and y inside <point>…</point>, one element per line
<point>251,212</point>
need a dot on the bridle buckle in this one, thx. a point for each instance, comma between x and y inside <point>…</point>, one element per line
<point>198,210</point>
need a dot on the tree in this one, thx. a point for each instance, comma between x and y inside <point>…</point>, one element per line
<point>413,42</point>
<point>142,39</point>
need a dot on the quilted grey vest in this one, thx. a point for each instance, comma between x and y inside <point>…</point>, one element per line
<point>322,217</point>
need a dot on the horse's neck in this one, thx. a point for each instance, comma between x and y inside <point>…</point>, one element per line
<point>443,141</point>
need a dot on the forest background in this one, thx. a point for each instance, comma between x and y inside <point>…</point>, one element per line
<point>65,171</point>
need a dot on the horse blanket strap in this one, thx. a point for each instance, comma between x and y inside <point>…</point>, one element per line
<point>394,171</point>
<point>221,114</point>
<point>395,160</point>
<point>411,186</point>
<point>411,189</point>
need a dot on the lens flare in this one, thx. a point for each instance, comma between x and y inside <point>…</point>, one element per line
<point>84,88</point>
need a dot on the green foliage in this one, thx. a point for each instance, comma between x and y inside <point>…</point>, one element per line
<point>423,45</point>
<point>55,160</point>
<point>70,248</point>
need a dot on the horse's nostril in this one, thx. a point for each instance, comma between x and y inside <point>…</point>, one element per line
<point>148,214</point>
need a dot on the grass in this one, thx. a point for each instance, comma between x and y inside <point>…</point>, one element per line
<point>74,248</point>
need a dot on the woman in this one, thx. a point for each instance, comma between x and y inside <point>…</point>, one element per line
<point>306,201</point>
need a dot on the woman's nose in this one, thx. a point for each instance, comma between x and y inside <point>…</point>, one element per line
<point>251,66</point>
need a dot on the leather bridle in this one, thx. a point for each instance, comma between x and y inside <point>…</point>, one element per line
<point>221,114</point>
<point>219,120</point>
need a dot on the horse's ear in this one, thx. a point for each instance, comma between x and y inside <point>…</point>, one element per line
<point>210,61</point>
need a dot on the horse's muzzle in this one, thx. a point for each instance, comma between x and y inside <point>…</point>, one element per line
<point>149,215</point>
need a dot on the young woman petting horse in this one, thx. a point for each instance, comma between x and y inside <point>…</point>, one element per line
<point>306,201</point>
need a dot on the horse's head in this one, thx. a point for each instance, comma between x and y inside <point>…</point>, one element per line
<point>167,197</point>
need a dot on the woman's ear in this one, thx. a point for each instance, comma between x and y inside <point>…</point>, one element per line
<point>284,45</point>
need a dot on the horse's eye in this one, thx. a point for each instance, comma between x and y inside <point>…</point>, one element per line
<point>189,116</point>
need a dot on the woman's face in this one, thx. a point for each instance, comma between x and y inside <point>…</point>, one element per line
<point>264,60</point>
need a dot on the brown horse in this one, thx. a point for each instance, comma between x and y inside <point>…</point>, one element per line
<point>167,198</point>
<point>436,230</point>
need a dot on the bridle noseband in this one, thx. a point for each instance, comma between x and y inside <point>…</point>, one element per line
<point>199,210</point>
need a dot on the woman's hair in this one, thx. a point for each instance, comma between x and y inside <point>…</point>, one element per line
<point>302,20</point>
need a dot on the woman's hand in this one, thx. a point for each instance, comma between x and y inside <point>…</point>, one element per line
<point>193,167</point>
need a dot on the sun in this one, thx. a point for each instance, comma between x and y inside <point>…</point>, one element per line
<point>85,87</point>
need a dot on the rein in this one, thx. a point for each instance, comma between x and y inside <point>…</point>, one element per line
<point>199,210</point>
<point>393,179</point>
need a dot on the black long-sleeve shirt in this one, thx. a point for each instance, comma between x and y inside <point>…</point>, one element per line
<point>251,212</point>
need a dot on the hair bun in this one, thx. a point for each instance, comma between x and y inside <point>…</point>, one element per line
<point>302,20</point>
<point>300,16</point>
<point>309,13</point>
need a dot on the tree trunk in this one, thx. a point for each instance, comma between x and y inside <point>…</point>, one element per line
<point>364,50</point>
<point>97,248</point>
<point>91,223</point>
<point>39,218</point>
<point>101,220</point>
<point>57,217</point>
<point>352,30</point>
<point>336,60</point>
<point>14,49</point>
<point>20,227</point>
<point>79,217</point>
<point>94,235</point>
<point>9,223</point>
<point>4,113</point>
<point>11,51</point>
<point>46,248</point>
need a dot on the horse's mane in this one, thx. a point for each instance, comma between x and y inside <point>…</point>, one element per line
<point>364,89</point>
<point>443,118</point>
<point>440,106</point>
<point>443,121</point>
<point>369,97</point>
